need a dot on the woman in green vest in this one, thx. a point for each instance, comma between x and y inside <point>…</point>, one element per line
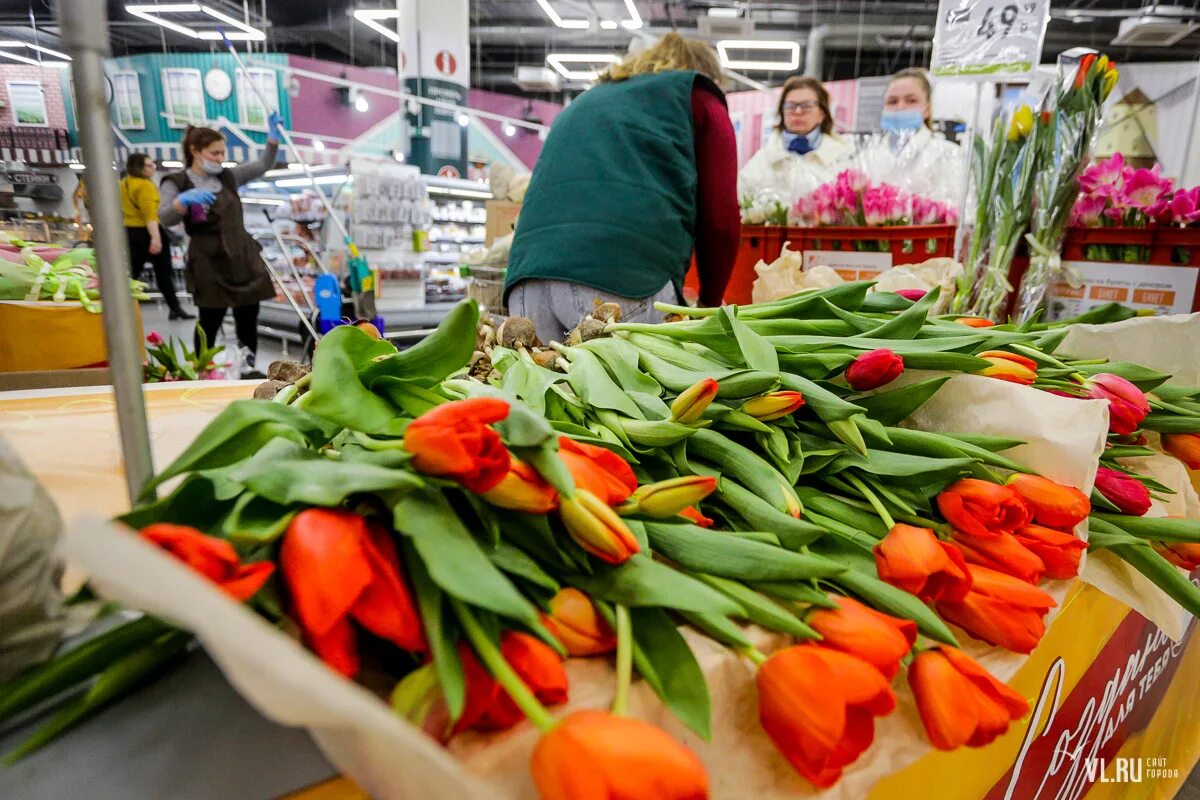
<point>637,174</point>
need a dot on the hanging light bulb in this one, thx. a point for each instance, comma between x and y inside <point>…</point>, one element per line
<point>464,120</point>
<point>510,129</point>
<point>361,104</point>
<point>318,145</point>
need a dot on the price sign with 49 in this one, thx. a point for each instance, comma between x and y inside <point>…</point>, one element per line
<point>991,38</point>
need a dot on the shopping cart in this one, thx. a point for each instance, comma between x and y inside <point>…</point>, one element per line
<point>485,285</point>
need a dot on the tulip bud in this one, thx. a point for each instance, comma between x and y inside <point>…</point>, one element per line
<point>773,405</point>
<point>574,621</point>
<point>696,517</point>
<point>1185,555</point>
<point>154,337</point>
<point>1185,447</point>
<point>1009,367</point>
<point>912,294</point>
<point>1022,123</point>
<point>874,369</point>
<point>1110,81</point>
<point>418,699</point>
<point>689,406</point>
<point>1128,494</point>
<point>596,527</point>
<point>1127,404</point>
<point>670,497</point>
<point>523,489</point>
<point>975,322</point>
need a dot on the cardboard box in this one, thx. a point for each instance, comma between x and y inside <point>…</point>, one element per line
<point>38,336</point>
<point>501,219</point>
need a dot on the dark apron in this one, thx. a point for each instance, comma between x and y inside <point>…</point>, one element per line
<point>224,269</point>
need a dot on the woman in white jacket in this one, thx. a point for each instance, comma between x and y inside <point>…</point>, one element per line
<point>801,152</point>
<point>909,154</point>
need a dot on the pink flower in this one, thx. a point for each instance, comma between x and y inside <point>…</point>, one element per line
<point>857,180</point>
<point>1127,405</point>
<point>1102,175</point>
<point>1184,207</point>
<point>912,294</point>
<point>1145,189</point>
<point>155,338</point>
<point>1088,210</point>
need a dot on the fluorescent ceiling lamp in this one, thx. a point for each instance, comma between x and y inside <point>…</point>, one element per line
<point>361,104</point>
<point>633,23</point>
<point>241,31</point>
<point>559,61</point>
<point>318,145</point>
<point>371,16</point>
<point>228,164</point>
<point>76,165</point>
<point>323,180</point>
<point>724,12</point>
<point>172,164</point>
<point>510,129</point>
<point>791,48</point>
<point>5,46</point>
<point>464,120</point>
<point>459,192</point>
<point>262,201</point>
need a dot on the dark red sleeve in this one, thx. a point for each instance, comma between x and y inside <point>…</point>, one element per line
<point>718,218</point>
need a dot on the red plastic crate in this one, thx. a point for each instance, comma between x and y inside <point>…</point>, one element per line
<point>908,244</point>
<point>759,242</point>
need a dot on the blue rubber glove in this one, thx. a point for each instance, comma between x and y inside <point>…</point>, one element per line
<point>274,126</point>
<point>196,197</point>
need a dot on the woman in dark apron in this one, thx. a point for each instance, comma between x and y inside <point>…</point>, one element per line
<point>223,268</point>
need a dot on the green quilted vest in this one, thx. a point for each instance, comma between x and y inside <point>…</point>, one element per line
<point>612,200</point>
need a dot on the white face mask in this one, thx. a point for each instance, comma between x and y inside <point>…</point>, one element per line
<point>211,167</point>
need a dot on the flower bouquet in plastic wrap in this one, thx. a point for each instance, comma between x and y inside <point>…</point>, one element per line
<point>1085,79</point>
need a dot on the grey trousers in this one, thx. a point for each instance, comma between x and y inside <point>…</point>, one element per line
<point>556,307</point>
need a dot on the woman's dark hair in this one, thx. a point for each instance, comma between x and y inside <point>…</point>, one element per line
<point>805,82</point>
<point>135,165</point>
<point>199,138</point>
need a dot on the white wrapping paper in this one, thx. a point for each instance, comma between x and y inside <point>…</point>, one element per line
<point>392,760</point>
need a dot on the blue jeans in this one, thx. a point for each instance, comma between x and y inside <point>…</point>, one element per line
<point>556,307</point>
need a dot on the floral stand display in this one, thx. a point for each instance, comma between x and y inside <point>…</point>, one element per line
<point>641,484</point>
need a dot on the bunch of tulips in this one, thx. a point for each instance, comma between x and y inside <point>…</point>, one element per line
<point>743,465</point>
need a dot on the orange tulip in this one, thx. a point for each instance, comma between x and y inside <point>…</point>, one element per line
<point>592,755</point>
<point>1058,551</point>
<point>213,558</point>
<point>1185,447</point>
<point>338,568</point>
<point>574,621</point>
<point>773,405</point>
<point>1001,610</point>
<point>862,631</point>
<point>454,441</point>
<point>488,706</point>
<point>670,497</point>
<point>596,528</point>
<point>602,472</point>
<point>690,405</point>
<point>818,706</point>
<point>1002,553</point>
<point>1009,367</point>
<point>975,322</point>
<point>913,559</point>
<point>696,517</point>
<point>1181,554</point>
<point>523,489</point>
<point>1054,505</point>
<point>982,508</point>
<point>960,702</point>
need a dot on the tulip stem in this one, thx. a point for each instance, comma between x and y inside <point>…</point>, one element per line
<point>504,674</point>
<point>620,705</point>
<point>754,654</point>
<point>870,498</point>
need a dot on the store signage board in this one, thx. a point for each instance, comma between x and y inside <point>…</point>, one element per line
<point>851,265</point>
<point>989,39</point>
<point>1163,290</point>
<point>31,178</point>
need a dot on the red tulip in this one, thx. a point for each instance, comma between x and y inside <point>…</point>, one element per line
<point>601,471</point>
<point>591,755</point>
<point>454,441</point>
<point>523,489</point>
<point>1127,404</point>
<point>982,508</point>
<point>488,706</point>
<point>339,569</point>
<point>818,706</point>
<point>213,558</point>
<point>1182,554</point>
<point>975,322</point>
<point>1058,551</point>
<point>1009,367</point>
<point>912,294</point>
<point>1185,447</point>
<point>874,369</point>
<point>913,559</point>
<point>1128,494</point>
<point>1003,553</point>
<point>1052,504</point>
<point>154,338</point>
<point>574,621</point>
<point>960,702</point>
<point>1001,610</point>
<point>862,631</point>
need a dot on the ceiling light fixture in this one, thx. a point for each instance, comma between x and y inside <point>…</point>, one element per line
<point>5,46</point>
<point>77,166</point>
<point>398,155</point>
<point>724,12</point>
<point>559,62</point>
<point>321,180</point>
<point>510,130</point>
<point>263,201</point>
<point>464,120</point>
<point>459,192</point>
<point>361,104</point>
<point>172,164</point>
<point>791,48</point>
<point>318,145</point>
<point>228,164</point>
<point>371,16</point>
<point>631,24</point>
<point>241,31</point>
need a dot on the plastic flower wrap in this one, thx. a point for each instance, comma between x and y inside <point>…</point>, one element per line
<point>30,271</point>
<point>1085,79</point>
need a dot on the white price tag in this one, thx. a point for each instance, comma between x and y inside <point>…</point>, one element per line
<point>992,38</point>
<point>851,265</point>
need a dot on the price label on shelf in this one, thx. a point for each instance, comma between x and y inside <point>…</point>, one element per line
<point>851,265</point>
<point>1163,290</point>
<point>989,38</point>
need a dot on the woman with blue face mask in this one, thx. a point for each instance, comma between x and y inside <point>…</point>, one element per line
<point>223,268</point>
<point>911,155</point>
<point>801,152</point>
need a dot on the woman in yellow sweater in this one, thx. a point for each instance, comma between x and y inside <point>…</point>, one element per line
<point>139,202</point>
